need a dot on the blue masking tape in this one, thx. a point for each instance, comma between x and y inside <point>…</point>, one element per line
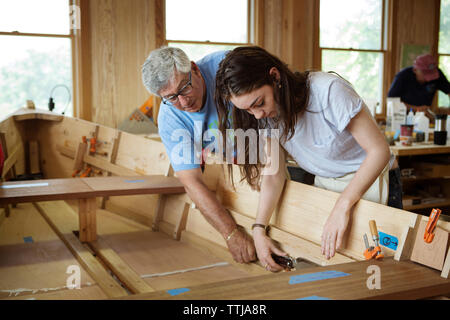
<point>134,181</point>
<point>302,278</point>
<point>175,292</point>
<point>28,239</point>
<point>313,298</point>
<point>388,240</point>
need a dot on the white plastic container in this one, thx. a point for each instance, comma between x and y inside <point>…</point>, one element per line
<point>396,114</point>
<point>410,117</point>
<point>422,123</point>
<point>448,128</point>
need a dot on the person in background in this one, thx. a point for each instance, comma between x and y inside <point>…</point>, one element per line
<point>324,125</point>
<point>416,85</point>
<point>187,92</point>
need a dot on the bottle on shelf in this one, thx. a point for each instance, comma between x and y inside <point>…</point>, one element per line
<point>410,117</point>
<point>421,123</point>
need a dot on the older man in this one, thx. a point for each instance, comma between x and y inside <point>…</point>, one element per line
<point>417,85</point>
<point>188,110</point>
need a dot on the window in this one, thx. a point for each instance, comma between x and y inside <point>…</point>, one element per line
<point>352,44</point>
<point>35,60</point>
<point>212,25</point>
<point>444,49</point>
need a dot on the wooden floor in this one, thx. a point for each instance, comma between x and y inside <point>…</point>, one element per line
<point>34,260</point>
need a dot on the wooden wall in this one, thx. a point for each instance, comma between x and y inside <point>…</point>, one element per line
<point>413,22</point>
<point>122,33</point>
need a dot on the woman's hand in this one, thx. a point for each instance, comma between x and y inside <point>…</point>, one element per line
<point>264,248</point>
<point>334,230</point>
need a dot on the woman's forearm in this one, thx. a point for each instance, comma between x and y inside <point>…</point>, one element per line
<point>376,160</point>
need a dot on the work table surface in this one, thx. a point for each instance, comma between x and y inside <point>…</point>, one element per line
<point>76,188</point>
<point>420,149</point>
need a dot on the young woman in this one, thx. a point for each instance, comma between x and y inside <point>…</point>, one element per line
<point>324,125</point>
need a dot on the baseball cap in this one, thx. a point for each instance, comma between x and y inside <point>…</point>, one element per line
<point>428,66</point>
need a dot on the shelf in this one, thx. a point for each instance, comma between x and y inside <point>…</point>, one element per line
<point>421,178</point>
<point>428,205</point>
<point>420,149</point>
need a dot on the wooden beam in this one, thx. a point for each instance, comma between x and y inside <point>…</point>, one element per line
<point>79,156</point>
<point>10,161</point>
<point>67,189</point>
<point>87,216</point>
<point>181,224</point>
<point>33,147</point>
<point>112,159</point>
<point>120,268</point>
<point>406,242</point>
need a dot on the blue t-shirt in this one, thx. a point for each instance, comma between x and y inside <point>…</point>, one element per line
<point>182,133</point>
<point>409,90</point>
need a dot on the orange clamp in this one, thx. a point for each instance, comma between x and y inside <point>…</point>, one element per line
<point>93,145</point>
<point>431,225</point>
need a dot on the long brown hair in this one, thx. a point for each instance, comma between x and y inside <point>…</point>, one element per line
<point>245,69</point>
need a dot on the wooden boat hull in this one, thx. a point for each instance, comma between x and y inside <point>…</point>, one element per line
<point>156,244</point>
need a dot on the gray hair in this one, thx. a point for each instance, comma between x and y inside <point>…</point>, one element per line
<point>161,65</point>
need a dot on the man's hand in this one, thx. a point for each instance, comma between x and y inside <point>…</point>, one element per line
<point>241,247</point>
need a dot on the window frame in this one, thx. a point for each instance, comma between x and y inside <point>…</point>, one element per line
<point>384,40</point>
<point>250,30</point>
<point>439,54</point>
<point>71,35</point>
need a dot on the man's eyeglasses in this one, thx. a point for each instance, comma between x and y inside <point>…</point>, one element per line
<point>184,91</point>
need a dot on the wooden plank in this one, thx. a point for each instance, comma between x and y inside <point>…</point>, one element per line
<point>220,252</point>
<point>63,222</point>
<point>10,161</point>
<point>29,114</point>
<point>97,162</point>
<point>406,241</point>
<point>79,156</point>
<point>303,211</point>
<point>112,159</point>
<point>120,268</point>
<point>43,190</point>
<point>181,224</point>
<point>65,189</point>
<point>33,147</point>
<point>87,219</point>
<point>305,249</point>
<point>446,268</point>
<point>430,254</point>
<point>116,186</point>
<point>399,280</point>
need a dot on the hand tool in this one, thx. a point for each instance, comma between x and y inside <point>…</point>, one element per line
<point>369,253</point>
<point>376,239</point>
<point>287,262</point>
<point>431,225</point>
